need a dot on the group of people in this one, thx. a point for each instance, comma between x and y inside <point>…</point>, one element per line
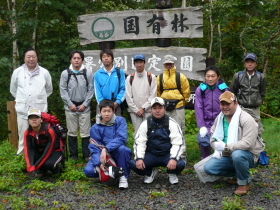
<point>156,107</point>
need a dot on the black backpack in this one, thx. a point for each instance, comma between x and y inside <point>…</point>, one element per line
<point>150,127</point>
<point>178,83</point>
<point>70,73</point>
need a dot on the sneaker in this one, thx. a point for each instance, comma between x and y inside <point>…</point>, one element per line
<point>123,183</point>
<point>173,179</point>
<point>150,179</point>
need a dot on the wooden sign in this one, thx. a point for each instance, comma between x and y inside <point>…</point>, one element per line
<point>12,123</point>
<point>190,61</point>
<point>141,24</point>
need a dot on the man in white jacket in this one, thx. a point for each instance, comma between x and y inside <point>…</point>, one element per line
<point>30,85</point>
<point>158,142</point>
<point>140,89</point>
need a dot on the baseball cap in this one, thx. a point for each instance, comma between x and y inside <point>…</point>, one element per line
<point>36,112</point>
<point>251,56</point>
<point>157,100</point>
<point>227,96</point>
<point>139,57</point>
<point>169,59</point>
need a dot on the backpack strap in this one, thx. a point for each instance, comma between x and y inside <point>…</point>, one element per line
<point>149,77</point>
<point>70,73</point>
<point>119,77</point>
<point>178,83</point>
<point>150,128</point>
<point>131,78</point>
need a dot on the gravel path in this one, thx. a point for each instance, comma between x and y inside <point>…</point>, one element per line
<point>190,193</point>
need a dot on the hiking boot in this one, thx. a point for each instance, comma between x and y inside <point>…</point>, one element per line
<point>123,183</point>
<point>173,179</point>
<point>232,181</point>
<point>150,179</point>
<point>242,190</point>
<point>39,174</point>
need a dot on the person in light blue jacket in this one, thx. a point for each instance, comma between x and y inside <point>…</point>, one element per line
<point>109,82</point>
<point>110,131</point>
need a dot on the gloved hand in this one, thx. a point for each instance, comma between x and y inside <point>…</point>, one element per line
<point>217,154</point>
<point>203,131</point>
<point>219,145</point>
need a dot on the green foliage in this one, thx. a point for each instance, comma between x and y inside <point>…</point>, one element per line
<point>72,173</point>
<point>85,188</point>
<point>154,194</point>
<point>38,185</point>
<point>190,120</point>
<point>233,203</point>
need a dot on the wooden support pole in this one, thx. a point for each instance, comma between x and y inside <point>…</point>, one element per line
<point>12,124</point>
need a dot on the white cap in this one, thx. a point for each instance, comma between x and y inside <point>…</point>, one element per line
<point>36,112</point>
<point>157,100</point>
<point>169,59</point>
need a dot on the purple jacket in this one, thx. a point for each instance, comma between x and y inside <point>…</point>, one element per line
<point>207,108</point>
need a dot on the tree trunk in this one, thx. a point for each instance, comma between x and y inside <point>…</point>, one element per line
<point>241,35</point>
<point>35,28</point>
<point>14,32</point>
<point>220,43</point>
<point>211,30</point>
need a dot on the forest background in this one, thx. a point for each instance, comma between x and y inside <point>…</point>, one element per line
<point>231,28</point>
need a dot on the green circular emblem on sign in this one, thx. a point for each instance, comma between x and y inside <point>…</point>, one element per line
<point>103,28</point>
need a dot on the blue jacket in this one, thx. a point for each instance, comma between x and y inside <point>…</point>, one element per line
<point>105,85</point>
<point>111,136</point>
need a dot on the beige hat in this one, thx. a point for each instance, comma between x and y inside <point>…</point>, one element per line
<point>36,112</point>
<point>169,59</point>
<point>157,100</point>
<point>227,96</point>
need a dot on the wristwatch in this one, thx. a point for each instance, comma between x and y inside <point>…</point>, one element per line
<point>226,147</point>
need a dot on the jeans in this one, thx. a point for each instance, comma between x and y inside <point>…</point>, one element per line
<point>237,165</point>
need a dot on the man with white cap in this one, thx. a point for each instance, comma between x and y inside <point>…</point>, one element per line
<point>158,142</point>
<point>249,85</point>
<point>42,148</point>
<point>174,88</point>
<point>234,137</point>
<point>140,89</point>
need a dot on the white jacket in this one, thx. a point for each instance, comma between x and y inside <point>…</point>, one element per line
<point>30,92</point>
<point>176,137</point>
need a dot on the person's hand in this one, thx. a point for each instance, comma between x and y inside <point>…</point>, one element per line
<point>140,164</point>
<point>103,167</point>
<point>217,154</point>
<point>116,105</point>
<point>81,108</point>
<point>171,164</point>
<point>103,156</point>
<point>203,131</point>
<point>73,108</point>
<point>219,145</point>
<point>140,112</point>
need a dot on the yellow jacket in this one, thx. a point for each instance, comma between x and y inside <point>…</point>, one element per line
<point>169,81</point>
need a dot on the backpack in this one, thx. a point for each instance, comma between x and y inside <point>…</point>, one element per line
<point>123,105</point>
<point>70,73</point>
<point>150,127</point>
<point>61,133</point>
<point>256,118</point>
<point>240,74</point>
<point>178,83</point>
<point>222,87</point>
<point>149,77</point>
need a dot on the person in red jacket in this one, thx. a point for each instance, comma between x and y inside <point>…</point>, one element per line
<point>42,148</point>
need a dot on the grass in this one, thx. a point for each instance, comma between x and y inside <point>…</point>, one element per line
<point>14,179</point>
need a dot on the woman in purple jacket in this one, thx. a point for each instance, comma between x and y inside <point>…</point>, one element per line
<point>207,106</point>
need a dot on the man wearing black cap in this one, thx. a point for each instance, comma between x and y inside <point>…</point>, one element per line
<point>249,85</point>
<point>140,89</point>
<point>158,142</point>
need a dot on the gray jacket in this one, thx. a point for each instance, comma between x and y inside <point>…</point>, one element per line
<point>252,92</point>
<point>76,90</point>
<point>248,138</point>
